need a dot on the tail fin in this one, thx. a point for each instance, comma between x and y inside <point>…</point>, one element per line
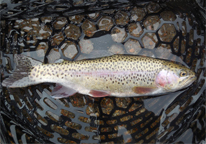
<point>20,77</point>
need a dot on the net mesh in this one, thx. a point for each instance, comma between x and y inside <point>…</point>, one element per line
<point>74,30</point>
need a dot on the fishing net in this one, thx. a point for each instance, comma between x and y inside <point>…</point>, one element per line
<point>49,30</point>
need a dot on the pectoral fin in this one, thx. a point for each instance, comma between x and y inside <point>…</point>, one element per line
<point>96,93</point>
<point>60,91</point>
<point>143,90</point>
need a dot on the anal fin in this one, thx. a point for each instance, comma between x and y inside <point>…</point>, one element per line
<point>96,93</point>
<point>61,91</point>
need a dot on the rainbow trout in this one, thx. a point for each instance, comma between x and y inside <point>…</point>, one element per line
<point>117,75</point>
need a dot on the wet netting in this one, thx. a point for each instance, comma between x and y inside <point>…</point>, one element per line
<point>48,30</point>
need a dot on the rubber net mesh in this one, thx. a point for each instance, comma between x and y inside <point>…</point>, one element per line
<point>48,30</point>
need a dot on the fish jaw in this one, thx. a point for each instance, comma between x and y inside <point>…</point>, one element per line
<point>189,81</point>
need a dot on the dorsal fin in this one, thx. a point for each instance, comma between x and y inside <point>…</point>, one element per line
<point>59,61</point>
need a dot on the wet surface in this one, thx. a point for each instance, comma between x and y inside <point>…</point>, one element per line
<point>30,115</point>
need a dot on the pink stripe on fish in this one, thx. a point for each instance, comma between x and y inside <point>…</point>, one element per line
<point>105,73</point>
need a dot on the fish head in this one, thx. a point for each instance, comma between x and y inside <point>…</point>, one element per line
<point>174,77</point>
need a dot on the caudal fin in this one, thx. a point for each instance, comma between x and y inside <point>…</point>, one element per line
<point>20,77</point>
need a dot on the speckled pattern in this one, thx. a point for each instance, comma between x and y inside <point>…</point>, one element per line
<point>117,75</point>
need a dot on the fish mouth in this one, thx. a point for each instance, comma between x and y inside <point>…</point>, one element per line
<point>190,80</point>
<point>193,78</point>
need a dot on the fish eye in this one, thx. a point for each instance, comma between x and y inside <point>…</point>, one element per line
<point>183,73</point>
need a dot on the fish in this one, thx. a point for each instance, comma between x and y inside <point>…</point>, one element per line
<point>116,75</point>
